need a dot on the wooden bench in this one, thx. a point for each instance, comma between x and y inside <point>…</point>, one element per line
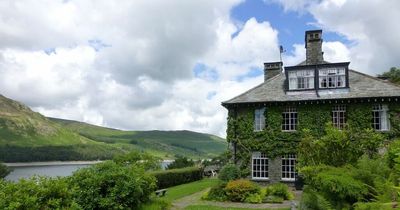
<point>161,193</point>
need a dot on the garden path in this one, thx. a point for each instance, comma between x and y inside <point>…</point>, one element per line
<point>195,199</point>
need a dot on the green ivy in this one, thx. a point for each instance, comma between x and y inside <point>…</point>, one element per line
<point>311,118</point>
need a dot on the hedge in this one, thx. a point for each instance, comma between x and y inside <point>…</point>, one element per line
<point>173,177</point>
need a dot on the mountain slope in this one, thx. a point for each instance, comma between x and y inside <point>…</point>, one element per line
<point>29,136</point>
<point>161,143</point>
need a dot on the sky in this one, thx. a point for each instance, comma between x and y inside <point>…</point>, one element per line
<point>168,65</point>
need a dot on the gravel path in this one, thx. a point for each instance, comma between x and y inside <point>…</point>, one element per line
<point>195,199</point>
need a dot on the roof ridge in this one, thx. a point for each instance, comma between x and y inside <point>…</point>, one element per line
<point>270,79</point>
<point>375,78</point>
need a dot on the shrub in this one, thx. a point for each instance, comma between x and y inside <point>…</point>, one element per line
<point>253,198</point>
<point>109,186</point>
<point>181,162</point>
<point>4,170</point>
<point>373,206</point>
<point>313,200</point>
<point>217,193</point>
<point>280,190</point>
<point>229,172</point>
<point>169,178</point>
<point>239,190</point>
<point>37,193</point>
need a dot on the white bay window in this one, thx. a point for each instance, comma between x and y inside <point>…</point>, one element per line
<point>259,166</point>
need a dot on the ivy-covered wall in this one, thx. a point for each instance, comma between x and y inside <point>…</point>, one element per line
<point>275,142</point>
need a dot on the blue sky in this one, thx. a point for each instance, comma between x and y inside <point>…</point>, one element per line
<point>290,24</point>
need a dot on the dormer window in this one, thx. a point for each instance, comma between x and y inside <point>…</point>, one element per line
<point>332,78</point>
<point>301,79</point>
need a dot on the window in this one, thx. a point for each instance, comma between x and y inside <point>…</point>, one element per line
<point>259,119</point>
<point>259,166</point>
<point>380,119</point>
<point>289,119</point>
<point>338,116</point>
<point>332,78</point>
<point>301,79</point>
<point>289,167</point>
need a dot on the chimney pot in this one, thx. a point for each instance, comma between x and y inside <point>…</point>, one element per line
<point>272,69</point>
<point>313,44</point>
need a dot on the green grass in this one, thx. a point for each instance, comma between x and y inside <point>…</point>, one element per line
<point>208,207</point>
<point>183,190</point>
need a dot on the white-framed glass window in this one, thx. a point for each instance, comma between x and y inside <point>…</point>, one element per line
<point>339,116</point>
<point>289,167</point>
<point>380,118</point>
<point>301,79</point>
<point>289,119</point>
<point>259,119</point>
<point>259,166</point>
<point>332,77</point>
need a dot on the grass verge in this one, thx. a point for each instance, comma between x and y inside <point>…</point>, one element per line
<point>208,207</point>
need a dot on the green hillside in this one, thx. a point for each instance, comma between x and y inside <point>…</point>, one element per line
<point>29,136</point>
<point>161,143</point>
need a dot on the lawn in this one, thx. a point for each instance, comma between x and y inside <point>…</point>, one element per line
<point>183,190</point>
<point>179,191</point>
<point>208,207</point>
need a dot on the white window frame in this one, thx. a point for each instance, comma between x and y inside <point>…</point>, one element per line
<point>259,166</point>
<point>288,169</point>
<point>259,119</point>
<point>332,77</point>
<point>301,79</point>
<point>339,116</point>
<point>380,117</point>
<point>289,119</point>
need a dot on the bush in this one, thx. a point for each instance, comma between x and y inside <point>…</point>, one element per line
<point>254,198</point>
<point>314,201</point>
<point>217,193</point>
<point>109,186</point>
<point>37,193</point>
<point>229,172</point>
<point>169,178</point>
<point>181,162</point>
<point>239,190</point>
<point>4,170</point>
<point>280,190</point>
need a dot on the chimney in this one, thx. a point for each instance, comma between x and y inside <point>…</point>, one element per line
<point>313,41</point>
<point>272,69</point>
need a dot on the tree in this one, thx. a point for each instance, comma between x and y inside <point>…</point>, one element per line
<point>4,170</point>
<point>393,75</point>
<point>138,159</point>
<point>181,162</point>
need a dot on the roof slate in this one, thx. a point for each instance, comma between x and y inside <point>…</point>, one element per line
<point>361,86</point>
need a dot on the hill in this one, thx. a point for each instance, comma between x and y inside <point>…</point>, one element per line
<point>29,136</point>
<point>165,144</point>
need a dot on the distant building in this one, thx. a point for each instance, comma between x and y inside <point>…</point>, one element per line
<point>265,122</point>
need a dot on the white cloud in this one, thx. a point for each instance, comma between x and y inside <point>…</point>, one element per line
<point>372,27</point>
<point>129,64</point>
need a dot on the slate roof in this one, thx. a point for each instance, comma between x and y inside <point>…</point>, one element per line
<point>361,86</point>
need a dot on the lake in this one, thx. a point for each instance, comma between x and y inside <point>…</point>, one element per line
<point>51,169</point>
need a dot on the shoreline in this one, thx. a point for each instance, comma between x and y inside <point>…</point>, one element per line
<point>60,163</point>
<point>53,163</point>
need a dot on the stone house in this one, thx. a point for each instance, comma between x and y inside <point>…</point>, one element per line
<point>265,122</point>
